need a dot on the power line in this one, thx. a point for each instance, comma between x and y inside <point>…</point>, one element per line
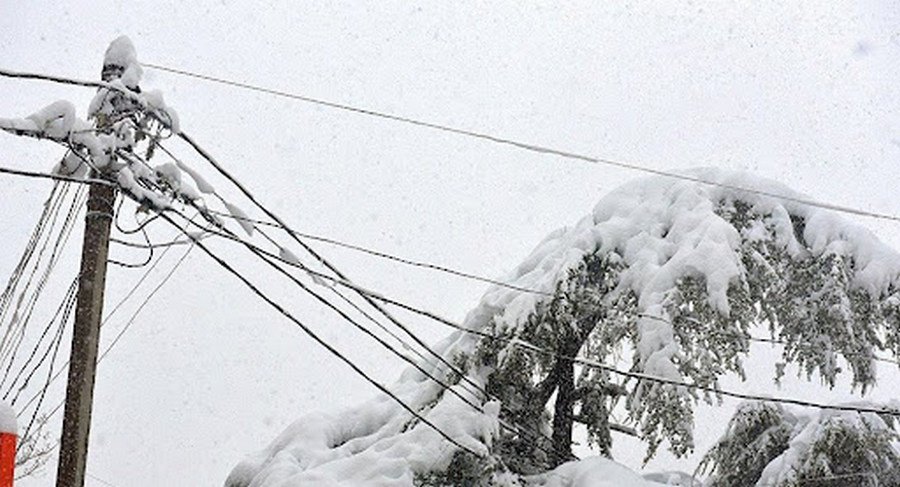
<point>246,192</point>
<point>468,133</point>
<point>112,313</point>
<point>283,311</point>
<point>518,144</point>
<point>589,363</point>
<point>22,316</point>
<point>227,233</point>
<point>446,387</point>
<point>146,300</point>
<point>43,391</point>
<point>364,330</point>
<point>50,206</point>
<point>253,288</point>
<point>540,149</point>
<point>385,255</point>
<point>270,257</point>
<point>54,177</point>
<point>134,315</point>
<point>463,376</point>
<point>70,295</point>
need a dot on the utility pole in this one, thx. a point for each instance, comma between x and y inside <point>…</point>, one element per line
<point>85,337</point>
<point>88,313</point>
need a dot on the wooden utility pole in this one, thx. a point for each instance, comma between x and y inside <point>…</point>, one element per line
<point>73,448</point>
<point>86,337</point>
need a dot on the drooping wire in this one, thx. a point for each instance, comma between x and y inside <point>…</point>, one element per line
<point>246,192</point>
<point>114,310</point>
<point>678,176</point>
<point>22,315</point>
<point>287,314</point>
<point>269,257</point>
<point>321,259</point>
<point>150,248</point>
<point>585,362</point>
<point>19,270</point>
<point>64,319</point>
<point>144,302</point>
<point>385,255</point>
<point>359,327</point>
<point>63,305</point>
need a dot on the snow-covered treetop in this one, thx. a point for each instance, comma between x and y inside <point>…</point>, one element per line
<point>665,230</point>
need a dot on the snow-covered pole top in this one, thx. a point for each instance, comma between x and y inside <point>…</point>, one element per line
<point>120,62</point>
<point>8,424</point>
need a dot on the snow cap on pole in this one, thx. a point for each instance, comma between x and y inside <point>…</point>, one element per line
<point>121,61</point>
<point>8,419</point>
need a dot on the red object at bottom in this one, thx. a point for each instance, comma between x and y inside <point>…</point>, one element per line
<point>7,459</point>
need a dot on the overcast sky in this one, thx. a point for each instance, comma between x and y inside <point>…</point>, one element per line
<point>801,93</point>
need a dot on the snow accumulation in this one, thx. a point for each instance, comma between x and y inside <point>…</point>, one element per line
<point>8,419</point>
<point>95,146</point>
<point>664,229</point>
<point>808,431</point>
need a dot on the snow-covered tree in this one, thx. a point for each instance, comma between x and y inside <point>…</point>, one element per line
<point>768,446</point>
<point>680,273</point>
<point>667,277</point>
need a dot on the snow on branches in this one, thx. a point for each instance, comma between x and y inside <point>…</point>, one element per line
<point>767,445</point>
<point>689,269</point>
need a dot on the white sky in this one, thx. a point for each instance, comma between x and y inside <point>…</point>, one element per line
<point>802,93</point>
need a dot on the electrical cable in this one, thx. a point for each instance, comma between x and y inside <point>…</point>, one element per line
<point>521,145</point>
<point>22,316</point>
<point>269,257</point>
<point>253,288</point>
<point>385,255</point>
<point>68,296</point>
<point>113,312</point>
<point>212,161</point>
<point>150,247</point>
<point>43,391</point>
<point>359,327</point>
<point>625,165</point>
<point>54,177</point>
<point>19,270</point>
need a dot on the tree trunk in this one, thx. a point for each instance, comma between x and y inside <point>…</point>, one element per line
<point>563,412</point>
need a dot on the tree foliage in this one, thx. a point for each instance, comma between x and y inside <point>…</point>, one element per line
<point>766,445</point>
<point>805,295</point>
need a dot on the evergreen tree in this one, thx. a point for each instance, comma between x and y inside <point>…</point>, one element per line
<point>807,295</point>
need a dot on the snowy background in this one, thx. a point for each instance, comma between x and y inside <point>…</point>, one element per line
<point>803,94</point>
